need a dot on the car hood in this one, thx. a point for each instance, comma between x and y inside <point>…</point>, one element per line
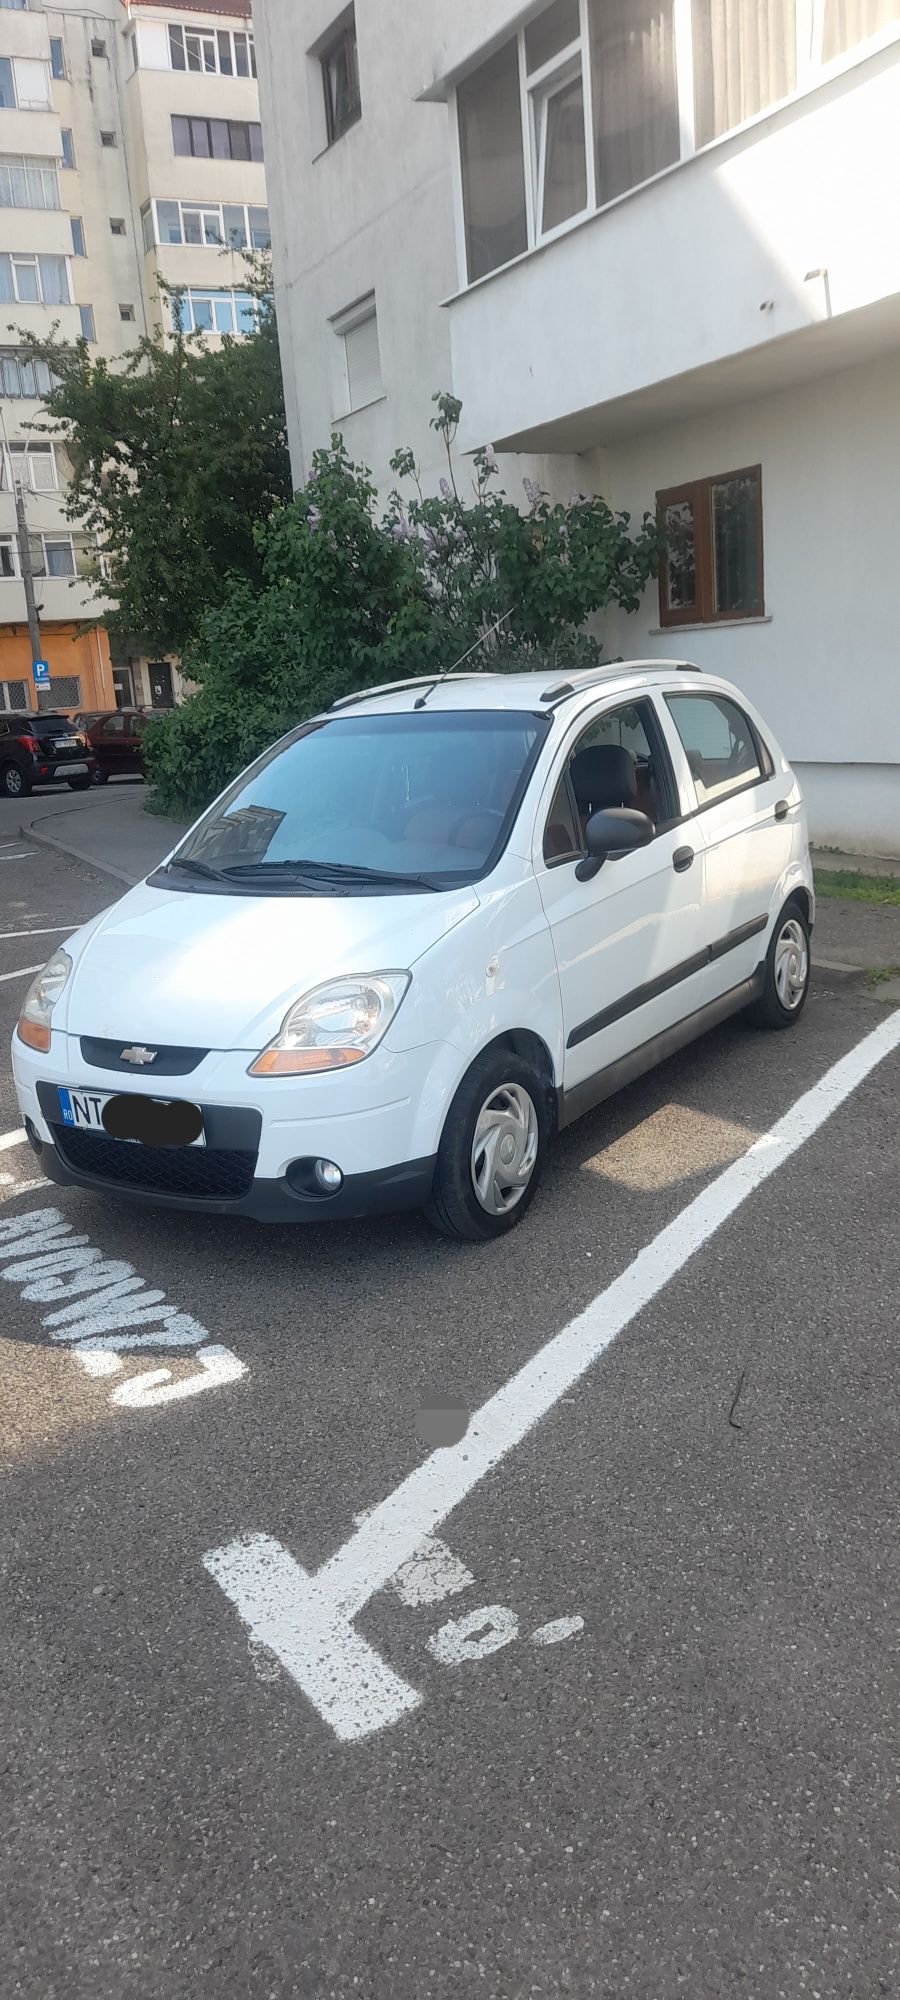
<point>219,972</point>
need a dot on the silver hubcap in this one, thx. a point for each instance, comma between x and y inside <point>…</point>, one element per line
<point>791,965</point>
<point>13,781</point>
<point>504,1149</point>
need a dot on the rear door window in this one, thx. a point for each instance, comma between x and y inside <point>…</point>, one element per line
<point>720,744</point>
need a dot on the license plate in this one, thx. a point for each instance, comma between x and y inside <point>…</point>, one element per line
<point>83,1110</point>
<point>66,743</point>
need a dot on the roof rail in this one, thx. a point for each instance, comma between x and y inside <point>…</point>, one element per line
<point>611,668</point>
<point>398,687</point>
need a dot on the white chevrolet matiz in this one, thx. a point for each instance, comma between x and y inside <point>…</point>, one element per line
<point>422,933</point>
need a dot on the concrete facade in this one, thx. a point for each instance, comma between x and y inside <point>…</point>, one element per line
<point>93,118</point>
<point>737,307</point>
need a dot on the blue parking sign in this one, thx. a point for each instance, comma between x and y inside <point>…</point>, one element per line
<point>41,672</point>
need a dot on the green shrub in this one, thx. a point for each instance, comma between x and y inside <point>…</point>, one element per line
<point>350,598</point>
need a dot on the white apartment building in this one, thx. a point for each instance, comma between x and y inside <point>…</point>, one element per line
<point>652,245</point>
<point>130,150</point>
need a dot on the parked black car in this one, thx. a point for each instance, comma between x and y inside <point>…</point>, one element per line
<point>114,736</point>
<point>42,750</point>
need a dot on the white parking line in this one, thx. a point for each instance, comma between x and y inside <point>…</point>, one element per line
<point>16,1138</point>
<point>48,930</point>
<point>22,973</point>
<point>306,1619</point>
<point>26,854</point>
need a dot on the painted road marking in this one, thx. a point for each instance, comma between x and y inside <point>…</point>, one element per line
<point>557,1630</point>
<point>27,854</point>
<point>432,1574</point>
<point>21,974</point>
<point>475,1636</point>
<point>97,1303</point>
<point>307,1619</point>
<point>16,1138</point>
<point>49,930</point>
<point>10,1188</point>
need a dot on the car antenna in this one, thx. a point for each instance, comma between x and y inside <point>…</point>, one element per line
<point>463,657</point>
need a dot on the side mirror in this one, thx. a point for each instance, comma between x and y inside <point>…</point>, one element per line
<point>618,830</point>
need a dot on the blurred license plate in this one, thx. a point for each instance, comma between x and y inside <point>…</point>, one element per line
<point>83,1109</point>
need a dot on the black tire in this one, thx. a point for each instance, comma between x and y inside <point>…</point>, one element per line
<point>502,1077</point>
<point>99,777</point>
<point>13,782</point>
<point>78,784</point>
<point>771,1010</point>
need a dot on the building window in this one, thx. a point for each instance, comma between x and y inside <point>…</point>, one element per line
<point>68,148</point>
<point>360,373</point>
<point>98,47</point>
<point>212,50</point>
<point>217,138</point>
<point>340,80</point>
<point>28,183</point>
<point>59,555</point>
<point>64,692</point>
<point>492,159</point>
<point>20,376</point>
<point>216,225</point>
<point>24,84</point>
<point>196,311</point>
<point>588,100</point>
<point>13,696</point>
<point>86,314</point>
<point>712,568</point>
<point>57,59</point>
<point>107,139</point>
<point>33,465</point>
<point>117,225</point>
<point>126,312</point>
<point>78,249</point>
<point>29,280</point>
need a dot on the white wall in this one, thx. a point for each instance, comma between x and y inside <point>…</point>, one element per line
<point>823,663</point>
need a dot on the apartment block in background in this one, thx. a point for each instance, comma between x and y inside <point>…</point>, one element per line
<point>652,246</point>
<point>129,150</point>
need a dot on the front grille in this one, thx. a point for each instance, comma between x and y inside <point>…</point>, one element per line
<point>173,1060</point>
<point>198,1172</point>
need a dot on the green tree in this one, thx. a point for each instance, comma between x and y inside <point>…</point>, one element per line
<point>178,452</point>
<point>349,597</point>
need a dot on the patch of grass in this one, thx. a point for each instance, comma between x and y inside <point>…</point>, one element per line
<point>855,887</point>
<point>877,974</point>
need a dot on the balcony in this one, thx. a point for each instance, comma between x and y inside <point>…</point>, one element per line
<point>25,34</point>
<point>36,133</point>
<point>769,255</point>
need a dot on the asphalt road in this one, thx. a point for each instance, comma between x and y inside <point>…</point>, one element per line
<point>694,1792</point>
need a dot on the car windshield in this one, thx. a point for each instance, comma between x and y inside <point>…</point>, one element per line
<point>412,799</point>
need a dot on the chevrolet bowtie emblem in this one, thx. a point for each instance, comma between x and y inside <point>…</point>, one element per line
<point>138,1055</point>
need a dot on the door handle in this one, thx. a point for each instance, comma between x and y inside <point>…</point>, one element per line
<point>681,859</point>
<point>781,810</point>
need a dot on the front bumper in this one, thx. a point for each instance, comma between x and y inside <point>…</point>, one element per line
<point>380,1192</point>
<point>380,1122</point>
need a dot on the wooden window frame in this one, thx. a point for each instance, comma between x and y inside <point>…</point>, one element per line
<point>699,493</point>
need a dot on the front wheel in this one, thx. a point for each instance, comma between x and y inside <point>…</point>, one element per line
<point>786,974</point>
<point>492,1148</point>
<point>78,784</point>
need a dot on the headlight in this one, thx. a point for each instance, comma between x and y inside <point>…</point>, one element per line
<point>334,1025</point>
<point>33,1027</point>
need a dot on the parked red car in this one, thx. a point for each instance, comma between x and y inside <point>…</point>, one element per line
<point>115,739</point>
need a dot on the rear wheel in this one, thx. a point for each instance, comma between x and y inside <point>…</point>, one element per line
<point>99,777</point>
<point>78,784</point>
<point>786,976</point>
<point>13,782</point>
<point>492,1148</point>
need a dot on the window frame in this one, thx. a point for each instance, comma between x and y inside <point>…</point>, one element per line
<point>33,259</point>
<point>202,208</point>
<point>341,324</point>
<point>343,40</point>
<point>703,610</point>
<point>195,294</point>
<point>40,163</point>
<point>811,70</point>
<point>22,451</point>
<point>190,119</point>
<point>665,772</point>
<point>216,38</point>
<point>538,87</point>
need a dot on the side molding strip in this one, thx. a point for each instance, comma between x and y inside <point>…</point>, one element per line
<point>653,987</point>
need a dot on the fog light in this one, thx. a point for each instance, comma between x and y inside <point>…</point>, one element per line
<point>328,1176</point>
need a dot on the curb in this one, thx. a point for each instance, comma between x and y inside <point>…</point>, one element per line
<point>57,846</point>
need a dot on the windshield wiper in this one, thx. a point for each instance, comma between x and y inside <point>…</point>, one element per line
<point>192,867</point>
<point>328,871</point>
